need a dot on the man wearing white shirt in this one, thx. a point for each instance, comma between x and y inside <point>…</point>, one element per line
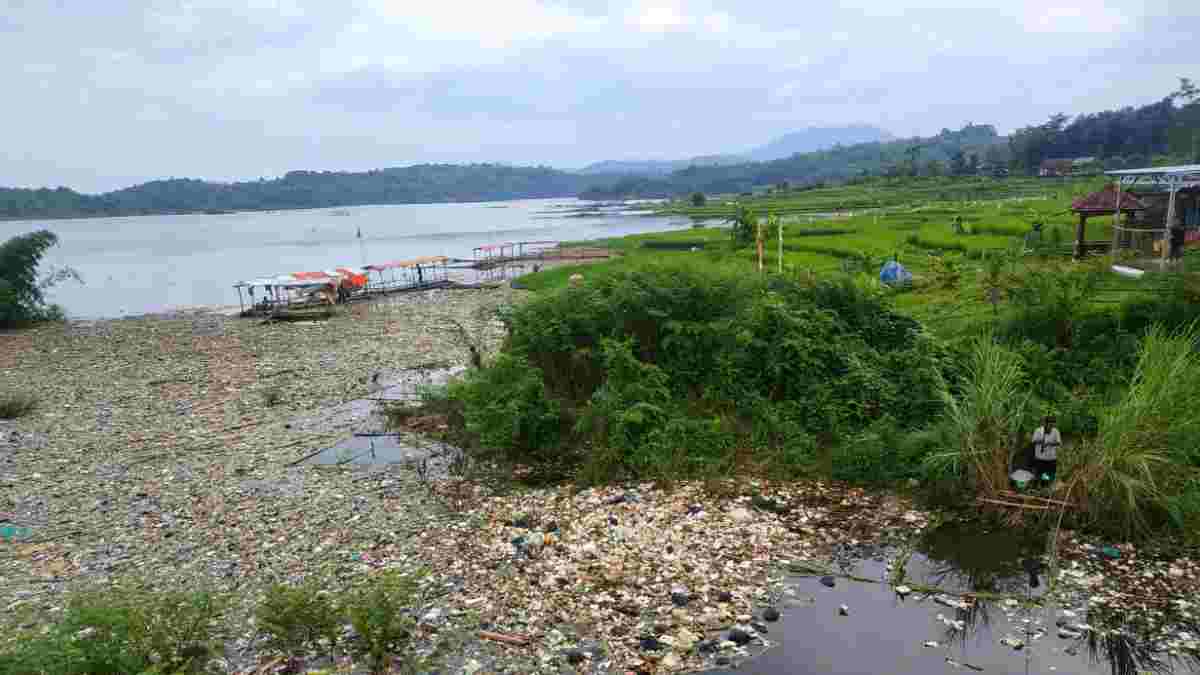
<point>1046,441</point>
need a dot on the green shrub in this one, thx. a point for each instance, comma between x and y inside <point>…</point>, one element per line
<point>506,407</point>
<point>16,405</point>
<point>296,619</point>
<point>883,453</point>
<point>382,610</point>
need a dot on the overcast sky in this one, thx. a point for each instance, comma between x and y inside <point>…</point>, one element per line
<point>103,94</point>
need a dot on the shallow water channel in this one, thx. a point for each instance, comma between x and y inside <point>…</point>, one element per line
<point>923,633</point>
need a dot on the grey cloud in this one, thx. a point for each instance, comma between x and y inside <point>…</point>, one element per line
<point>108,93</point>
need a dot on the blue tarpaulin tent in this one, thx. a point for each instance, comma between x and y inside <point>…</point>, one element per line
<point>894,274</point>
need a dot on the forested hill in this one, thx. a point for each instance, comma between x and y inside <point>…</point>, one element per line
<point>967,149</point>
<point>424,183</point>
<point>1164,131</point>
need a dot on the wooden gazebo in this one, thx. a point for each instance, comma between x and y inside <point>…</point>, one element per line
<point>1101,203</point>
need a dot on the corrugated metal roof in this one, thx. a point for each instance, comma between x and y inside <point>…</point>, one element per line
<point>423,260</point>
<point>1158,170</point>
<point>1104,201</point>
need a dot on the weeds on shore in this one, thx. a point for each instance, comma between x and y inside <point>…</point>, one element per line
<point>124,629</point>
<point>129,628</point>
<point>17,404</point>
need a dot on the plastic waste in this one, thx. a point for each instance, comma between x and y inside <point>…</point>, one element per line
<point>14,533</point>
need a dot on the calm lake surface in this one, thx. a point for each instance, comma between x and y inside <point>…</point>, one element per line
<point>149,264</point>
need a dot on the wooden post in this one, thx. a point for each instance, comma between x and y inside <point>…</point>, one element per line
<point>1166,252</point>
<point>1080,234</point>
<point>1117,219</point>
<point>781,246</point>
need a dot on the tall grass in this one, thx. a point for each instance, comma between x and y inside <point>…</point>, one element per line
<point>986,416</point>
<point>1146,448</point>
<point>16,405</point>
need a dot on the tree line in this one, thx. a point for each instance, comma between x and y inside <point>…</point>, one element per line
<point>1126,138</point>
<point>424,183</point>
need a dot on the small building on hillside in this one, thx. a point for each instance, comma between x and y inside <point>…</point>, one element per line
<point>1055,167</point>
<point>1078,166</point>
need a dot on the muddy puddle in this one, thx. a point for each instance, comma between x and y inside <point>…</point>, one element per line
<point>839,626</point>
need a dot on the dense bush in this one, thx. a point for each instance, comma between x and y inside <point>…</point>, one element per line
<point>668,369</point>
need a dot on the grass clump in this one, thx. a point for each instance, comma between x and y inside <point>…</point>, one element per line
<point>298,620</point>
<point>1142,465</point>
<point>987,414</point>
<point>272,396</point>
<point>382,610</point>
<point>16,405</point>
<point>126,629</point>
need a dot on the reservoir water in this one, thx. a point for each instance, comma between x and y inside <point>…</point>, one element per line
<point>148,264</point>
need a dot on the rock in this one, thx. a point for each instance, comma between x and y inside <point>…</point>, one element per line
<point>724,596</point>
<point>828,581</point>
<point>615,499</point>
<point>741,515</point>
<point>1175,572</point>
<point>740,636</point>
<point>679,596</point>
<point>650,644</point>
<point>574,656</point>
<point>681,616</point>
<point>770,614</point>
<point>670,661</point>
<point>843,610</point>
<point>744,618</point>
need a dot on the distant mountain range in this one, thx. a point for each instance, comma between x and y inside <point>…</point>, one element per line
<point>811,139</point>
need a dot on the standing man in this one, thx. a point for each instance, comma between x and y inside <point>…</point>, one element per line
<point>1046,441</point>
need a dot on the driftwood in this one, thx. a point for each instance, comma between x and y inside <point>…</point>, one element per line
<point>518,640</point>
<point>1035,498</point>
<point>1019,505</point>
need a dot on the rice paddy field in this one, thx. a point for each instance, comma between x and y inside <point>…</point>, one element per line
<point>857,228</point>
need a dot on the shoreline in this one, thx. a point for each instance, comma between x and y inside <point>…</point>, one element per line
<point>154,453</point>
